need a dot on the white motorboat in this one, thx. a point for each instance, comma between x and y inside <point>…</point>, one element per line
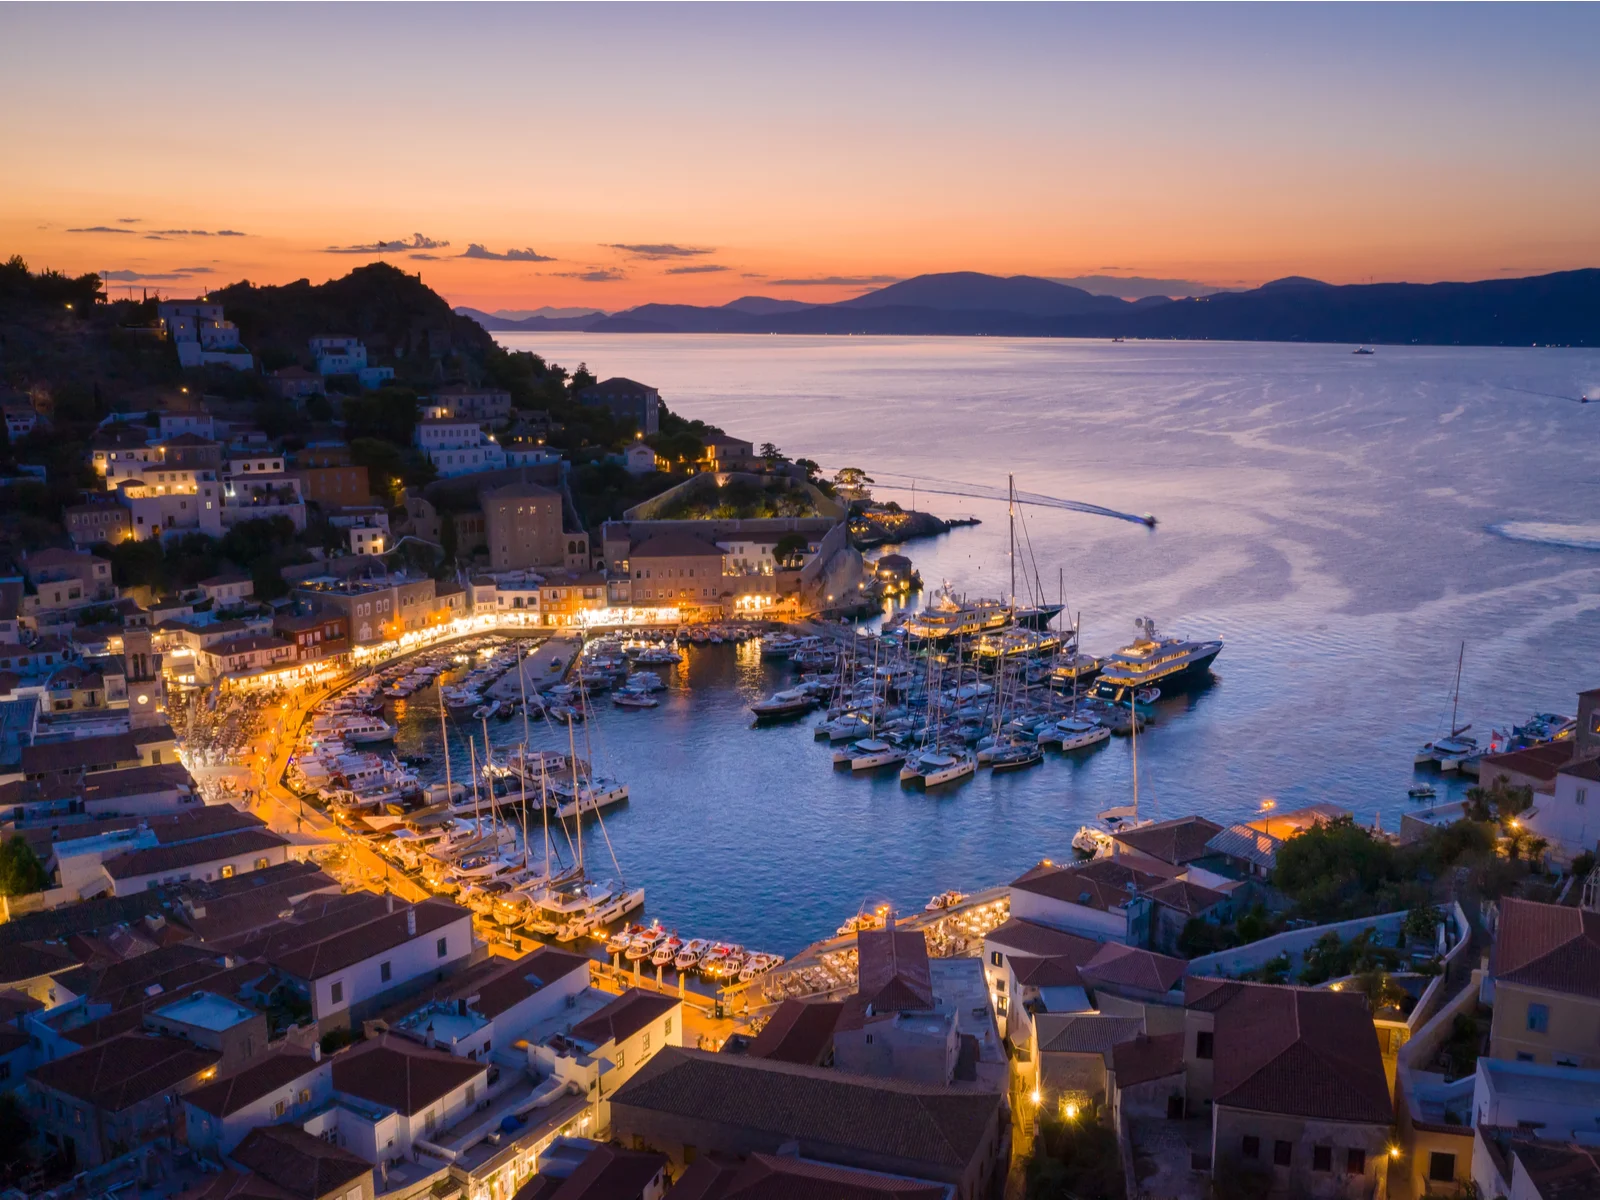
<point>625,698</point>
<point>690,955</point>
<point>357,729</point>
<point>934,767</point>
<point>788,703</point>
<point>1076,733</point>
<point>844,728</point>
<point>869,754</point>
<point>666,951</point>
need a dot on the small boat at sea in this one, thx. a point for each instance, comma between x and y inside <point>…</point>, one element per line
<point>869,754</point>
<point>934,767</point>
<point>626,698</point>
<point>789,703</point>
<point>690,954</point>
<point>1422,791</point>
<point>1153,661</point>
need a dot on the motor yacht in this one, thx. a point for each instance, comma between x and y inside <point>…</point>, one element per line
<point>869,754</point>
<point>1079,733</point>
<point>581,799</point>
<point>626,698</point>
<point>934,767</point>
<point>690,955</point>
<point>1168,664</point>
<point>790,703</point>
<point>666,950</point>
<point>1015,756</point>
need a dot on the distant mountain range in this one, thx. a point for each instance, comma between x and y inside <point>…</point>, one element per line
<point>1559,309</point>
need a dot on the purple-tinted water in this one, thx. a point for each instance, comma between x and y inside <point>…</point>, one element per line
<point>1344,523</point>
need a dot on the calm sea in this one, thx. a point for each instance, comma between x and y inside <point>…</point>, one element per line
<point>1345,523</point>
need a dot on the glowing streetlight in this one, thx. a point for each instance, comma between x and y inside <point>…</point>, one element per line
<point>1035,1097</point>
<point>1072,1112</point>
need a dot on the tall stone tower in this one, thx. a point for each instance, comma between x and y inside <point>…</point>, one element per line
<point>146,701</point>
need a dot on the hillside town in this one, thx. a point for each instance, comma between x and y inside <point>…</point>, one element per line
<point>224,975</point>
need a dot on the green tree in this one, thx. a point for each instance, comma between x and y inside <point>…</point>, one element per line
<point>850,485</point>
<point>21,872</point>
<point>771,455</point>
<point>581,378</point>
<point>389,413</point>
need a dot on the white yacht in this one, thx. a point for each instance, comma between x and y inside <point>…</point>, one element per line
<point>869,754</point>
<point>788,703</point>
<point>933,767</point>
<point>572,800</point>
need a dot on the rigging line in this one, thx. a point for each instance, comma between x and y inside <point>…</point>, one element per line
<point>978,491</point>
<point>583,695</point>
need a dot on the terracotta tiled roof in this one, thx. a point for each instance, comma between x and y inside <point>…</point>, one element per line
<point>356,944</point>
<point>1548,946</point>
<point>300,1163</point>
<point>119,1073</point>
<point>778,1102</point>
<point>1101,884</point>
<point>799,1032</point>
<point>610,1173</point>
<point>1302,1053</point>
<point>1178,841</point>
<point>784,1177</point>
<point>1190,899</point>
<point>1146,1058</point>
<point>623,1017</point>
<point>25,960</point>
<point>401,1075</point>
<point>1130,966</point>
<point>1085,1033</point>
<point>183,855</point>
<point>675,545</point>
<point>1061,970</point>
<point>263,1077</point>
<point>1207,993</point>
<point>894,975</point>
<point>1029,937</point>
<point>1540,762</point>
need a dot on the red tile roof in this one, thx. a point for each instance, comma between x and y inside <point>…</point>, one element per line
<point>1101,884</point>
<point>1057,971</point>
<point>1129,966</point>
<point>187,855</point>
<point>784,1177</point>
<point>228,1095</point>
<point>799,1032</point>
<point>771,1102</point>
<point>610,1173</point>
<point>302,1164</point>
<point>1190,899</point>
<point>1031,938</point>
<point>1548,946</point>
<point>893,973</point>
<point>120,1073</point>
<point>1208,993</point>
<point>349,946</point>
<point>1084,1033</point>
<point>1179,841</point>
<point>1302,1053</point>
<point>1541,762</point>
<point>400,1074</point>
<point>623,1017</point>
<point>1146,1058</point>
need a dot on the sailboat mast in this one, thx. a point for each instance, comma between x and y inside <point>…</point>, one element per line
<point>1133,731</point>
<point>1455,704</point>
<point>1011,516</point>
<point>444,740</point>
<point>477,815</point>
<point>522,773</point>
<point>577,792</point>
<point>487,759</point>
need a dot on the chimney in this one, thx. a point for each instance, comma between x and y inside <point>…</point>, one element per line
<point>429,1036</point>
<point>316,1051</point>
<point>411,922</point>
<point>389,898</point>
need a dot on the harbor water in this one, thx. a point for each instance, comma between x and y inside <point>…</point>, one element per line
<point>1344,523</point>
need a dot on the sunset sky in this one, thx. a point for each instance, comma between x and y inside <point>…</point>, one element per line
<point>610,155</point>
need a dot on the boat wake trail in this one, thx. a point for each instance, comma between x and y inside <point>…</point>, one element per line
<point>1546,533</point>
<point>979,491</point>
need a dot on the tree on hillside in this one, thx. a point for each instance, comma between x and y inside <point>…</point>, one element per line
<point>850,484</point>
<point>581,378</point>
<point>772,456</point>
<point>1500,801</point>
<point>389,413</point>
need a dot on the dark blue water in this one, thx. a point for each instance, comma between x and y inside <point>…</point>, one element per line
<point>1343,523</point>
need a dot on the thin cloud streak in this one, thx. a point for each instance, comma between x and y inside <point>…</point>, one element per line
<point>659,250</point>
<point>700,269</point>
<point>596,275</point>
<point>418,241</point>
<point>475,250</point>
